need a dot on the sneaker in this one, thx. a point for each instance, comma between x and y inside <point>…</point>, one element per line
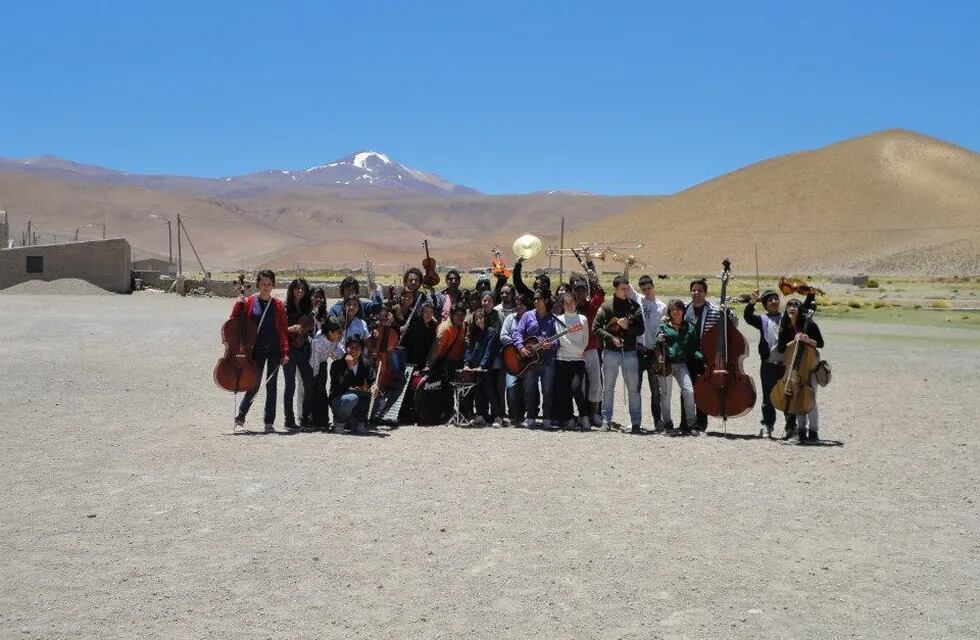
<point>636,430</point>
<point>658,426</point>
<point>596,420</point>
<point>339,427</point>
<point>360,428</point>
<point>605,425</point>
<point>239,421</point>
<point>583,424</point>
<point>291,425</point>
<point>813,436</point>
<point>794,439</point>
<point>478,421</point>
<point>568,425</point>
<point>528,424</point>
<point>692,430</point>
<point>497,423</point>
<point>270,428</point>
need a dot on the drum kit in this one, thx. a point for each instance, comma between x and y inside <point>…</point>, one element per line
<point>462,383</point>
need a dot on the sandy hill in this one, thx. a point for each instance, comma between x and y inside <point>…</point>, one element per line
<point>300,225</point>
<point>890,202</point>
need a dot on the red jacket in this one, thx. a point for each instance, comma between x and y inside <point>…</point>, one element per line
<point>276,314</point>
<point>591,309</point>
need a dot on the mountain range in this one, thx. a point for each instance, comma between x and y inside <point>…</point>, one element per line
<point>889,202</point>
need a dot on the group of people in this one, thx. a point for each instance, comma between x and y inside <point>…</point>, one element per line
<point>357,359</point>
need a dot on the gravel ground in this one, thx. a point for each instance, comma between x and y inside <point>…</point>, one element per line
<point>130,511</point>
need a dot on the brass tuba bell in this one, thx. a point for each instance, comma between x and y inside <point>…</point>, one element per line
<point>527,246</point>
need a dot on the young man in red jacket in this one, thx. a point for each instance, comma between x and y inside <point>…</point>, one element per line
<point>271,348</point>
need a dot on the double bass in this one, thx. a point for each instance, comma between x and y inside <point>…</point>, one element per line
<point>236,370</point>
<point>723,390</point>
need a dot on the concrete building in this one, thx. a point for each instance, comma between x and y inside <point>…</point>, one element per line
<point>104,263</point>
<point>152,264</point>
<point>4,230</point>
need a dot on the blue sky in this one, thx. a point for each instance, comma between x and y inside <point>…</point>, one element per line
<point>628,97</point>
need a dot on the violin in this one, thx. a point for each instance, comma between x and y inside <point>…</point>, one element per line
<point>236,370</point>
<point>613,326</point>
<point>430,278</point>
<point>661,365</point>
<point>498,268</point>
<point>795,285</point>
<point>793,394</point>
<point>723,390</point>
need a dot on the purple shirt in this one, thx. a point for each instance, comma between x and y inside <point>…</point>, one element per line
<point>541,328</point>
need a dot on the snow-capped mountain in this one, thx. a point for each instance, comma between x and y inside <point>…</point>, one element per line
<point>358,173</point>
<point>361,171</point>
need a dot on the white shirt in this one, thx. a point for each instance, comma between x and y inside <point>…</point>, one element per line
<point>653,315</point>
<point>323,350</point>
<point>571,346</point>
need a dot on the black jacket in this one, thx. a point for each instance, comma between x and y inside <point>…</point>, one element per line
<point>342,378</point>
<point>616,308</point>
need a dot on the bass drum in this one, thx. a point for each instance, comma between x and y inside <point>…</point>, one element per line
<point>432,399</point>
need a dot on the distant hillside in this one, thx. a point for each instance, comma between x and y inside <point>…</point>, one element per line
<point>890,202</point>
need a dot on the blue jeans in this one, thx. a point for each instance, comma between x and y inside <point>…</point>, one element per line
<point>545,373</point>
<point>347,407</point>
<point>612,362</point>
<point>299,359</point>
<point>515,397</point>
<point>267,361</point>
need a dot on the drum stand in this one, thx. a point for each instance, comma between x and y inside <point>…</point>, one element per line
<point>460,390</point>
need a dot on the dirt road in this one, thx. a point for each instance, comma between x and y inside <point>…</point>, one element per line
<point>129,510</point>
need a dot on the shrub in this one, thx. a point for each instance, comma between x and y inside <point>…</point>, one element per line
<point>872,284</point>
<point>940,304</point>
<point>855,304</point>
<point>878,304</point>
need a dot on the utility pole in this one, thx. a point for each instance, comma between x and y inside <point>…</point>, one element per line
<point>103,231</point>
<point>76,233</point>
<point>180,261</point>
<point>561,252</point>
<point>170,246</point>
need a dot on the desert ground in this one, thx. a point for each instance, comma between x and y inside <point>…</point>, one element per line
<point>131,511</point>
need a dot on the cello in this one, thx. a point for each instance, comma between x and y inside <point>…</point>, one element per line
<point>793,394</point>
<point>723,390</point>
<point>236,370</point>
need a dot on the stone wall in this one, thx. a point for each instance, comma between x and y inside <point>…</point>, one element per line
<point>104,263</point>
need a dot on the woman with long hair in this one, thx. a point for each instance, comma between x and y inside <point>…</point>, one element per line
<point>804,427</point>
<point>482,344</point>
<point>683,346</point>
<point>570,367</point>
<point>299,320</point>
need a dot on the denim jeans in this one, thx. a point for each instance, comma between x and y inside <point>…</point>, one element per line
<point>347,407</point>
<point>683,377</point>
<point>612,361</point>
<point>299,359</point>
<point>515,397</point>
<point>545,374</point>
<point>267,361</point>
<point>645,360</point>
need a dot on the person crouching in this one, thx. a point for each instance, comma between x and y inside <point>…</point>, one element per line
<point>349,391</point>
